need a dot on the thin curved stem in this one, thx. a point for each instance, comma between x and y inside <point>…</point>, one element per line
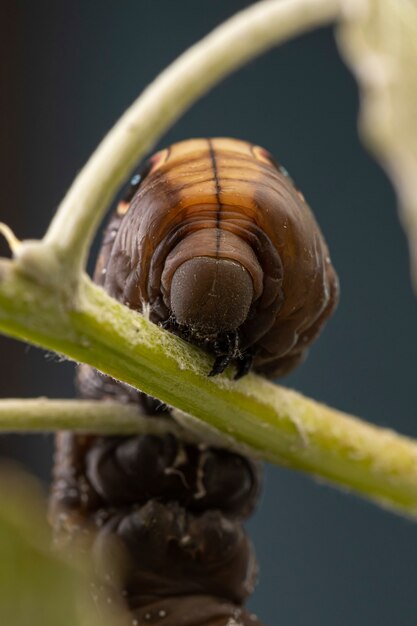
<point>228,47</point>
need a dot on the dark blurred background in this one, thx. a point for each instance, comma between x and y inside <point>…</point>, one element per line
<point>68,70</point>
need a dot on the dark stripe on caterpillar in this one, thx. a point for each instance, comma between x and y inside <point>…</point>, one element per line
<point>217,186</point>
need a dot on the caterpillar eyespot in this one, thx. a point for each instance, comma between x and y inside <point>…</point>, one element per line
<point>214,242</point>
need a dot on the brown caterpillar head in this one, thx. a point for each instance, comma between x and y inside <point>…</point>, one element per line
<point>211,295</point>
<point>210,282</point>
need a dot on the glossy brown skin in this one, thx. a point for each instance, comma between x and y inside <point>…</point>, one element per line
<point>225,199</point>
<point>219,246</point>
<point>171,513</point>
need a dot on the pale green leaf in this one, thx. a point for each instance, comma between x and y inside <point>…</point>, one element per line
<point>38,587</point>
<point>379,40</point>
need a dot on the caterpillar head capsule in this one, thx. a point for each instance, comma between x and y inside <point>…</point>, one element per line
<point>211,295</point>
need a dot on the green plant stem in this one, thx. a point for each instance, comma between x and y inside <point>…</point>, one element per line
<point>31,415</point>
<point>277,424</point>
<point>228,47</point>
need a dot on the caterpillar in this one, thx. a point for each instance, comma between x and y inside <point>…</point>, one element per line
<point>215,243</point>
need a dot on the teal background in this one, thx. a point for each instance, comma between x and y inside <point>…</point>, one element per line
<point>68,70</point>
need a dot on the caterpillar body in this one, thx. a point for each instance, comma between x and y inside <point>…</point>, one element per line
<point>215,243</point>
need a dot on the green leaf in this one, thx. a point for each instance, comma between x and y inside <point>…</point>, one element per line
<point>379,40</point>
<point>37,586</point>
